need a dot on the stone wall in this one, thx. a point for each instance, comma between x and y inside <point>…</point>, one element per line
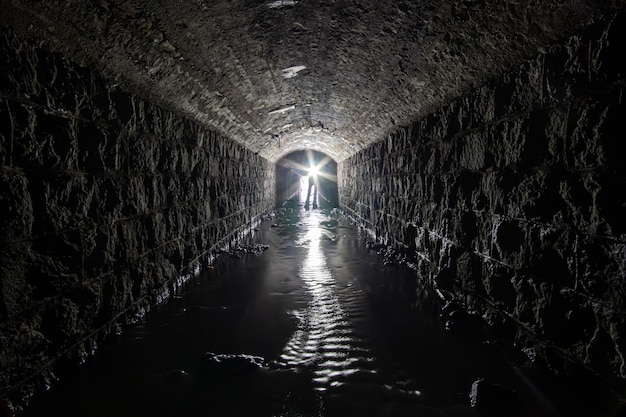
<point>513,198</point>
<point>106,201</point>
<point>287,184</point>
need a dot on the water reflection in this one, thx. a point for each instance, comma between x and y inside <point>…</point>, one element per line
<point>344,334</point>
<point>324,341</point>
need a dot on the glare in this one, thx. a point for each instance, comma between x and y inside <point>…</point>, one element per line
<point>313,171</point>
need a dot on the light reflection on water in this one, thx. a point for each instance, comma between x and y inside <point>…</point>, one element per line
<point>324,341</point>
<point>344,334</point>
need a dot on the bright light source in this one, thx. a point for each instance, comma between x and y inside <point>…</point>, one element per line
<point>313,171</point>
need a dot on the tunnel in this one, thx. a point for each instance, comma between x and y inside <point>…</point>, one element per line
<point>309,177</point>
<point>476,142</point>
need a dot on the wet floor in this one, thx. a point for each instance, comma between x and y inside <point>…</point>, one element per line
<point>336,332</point>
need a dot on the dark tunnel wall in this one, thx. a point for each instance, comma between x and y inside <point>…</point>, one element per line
<point>512,198</point>
<point>105,199</point>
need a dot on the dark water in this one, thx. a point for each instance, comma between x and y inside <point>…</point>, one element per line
<point>342,335</point>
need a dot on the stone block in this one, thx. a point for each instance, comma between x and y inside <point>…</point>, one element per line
<point>20,128</point>
<point>519,91</point>
<point>611,202</point>
<point>605,51</point>
<point>6,134</point>
<point>509,236</point>
<point>16,209</point>
<point>482,102</point>
<point>461,117</point>
<point>144,154</point>
<point>471,151</point>
<point>60,201</point>
<point>118,294</point>
<point>61,323</point>
<point>99,148</point>
<point>134,197</point>
<point>513,147</point>
<point>565,71</point>
<point>585,142</point>
<point>24,71</point>
<point>122,106</point>
<point>174,128</point>
<point>29,349</point>
<point>155,229</point>
<point>534,196</point>
<point>42,140</point>
<point>15,291</point>
<point>100,101</point>
<point>435,126</point>
<point>60,85</point>
<point>581,321</point>
<point>9,64</point>
<point>57,263</point>
<point>499,285</point>
<point>100,249</point>
<point>547,136</point>
<point>578,195</point>
<point>111,192</point>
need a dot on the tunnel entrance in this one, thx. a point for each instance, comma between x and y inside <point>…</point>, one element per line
<point>308,178</point>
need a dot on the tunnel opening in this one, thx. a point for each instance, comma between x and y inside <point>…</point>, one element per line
<point>307,178</point>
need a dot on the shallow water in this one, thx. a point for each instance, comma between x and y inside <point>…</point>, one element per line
<point>342,335</point>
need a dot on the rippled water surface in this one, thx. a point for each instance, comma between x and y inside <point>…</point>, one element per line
<point>341,334</point>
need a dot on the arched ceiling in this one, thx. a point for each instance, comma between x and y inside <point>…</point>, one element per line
<point>286,75</point>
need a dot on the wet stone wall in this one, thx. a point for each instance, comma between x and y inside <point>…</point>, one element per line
<point>106,200</point>
<point>513,199</point>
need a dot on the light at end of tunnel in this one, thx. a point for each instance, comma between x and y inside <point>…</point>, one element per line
<point>313,171</point>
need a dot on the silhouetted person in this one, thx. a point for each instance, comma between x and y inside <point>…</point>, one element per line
<point>312,183</point>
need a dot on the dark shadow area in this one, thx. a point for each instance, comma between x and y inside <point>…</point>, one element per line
<point>314,325</point>
<point>307,177</point>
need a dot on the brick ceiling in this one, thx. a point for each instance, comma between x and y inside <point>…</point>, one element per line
<point>279,76</point>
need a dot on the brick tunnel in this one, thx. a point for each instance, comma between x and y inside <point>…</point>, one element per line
<point>480,140</point>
